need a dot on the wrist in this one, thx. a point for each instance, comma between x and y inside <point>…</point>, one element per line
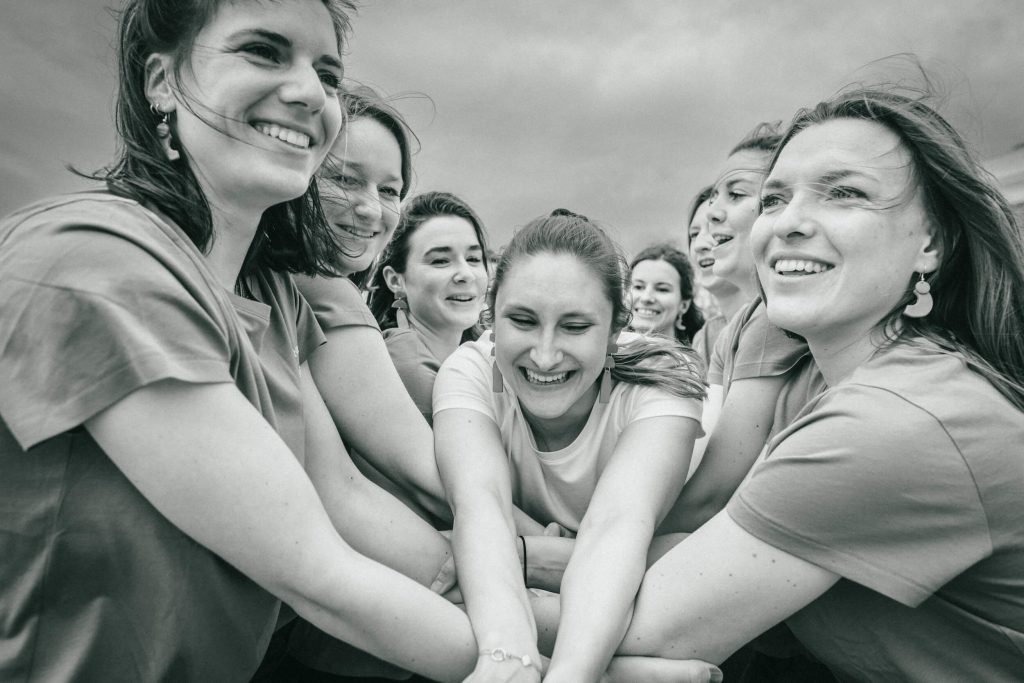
<point>500,654</point>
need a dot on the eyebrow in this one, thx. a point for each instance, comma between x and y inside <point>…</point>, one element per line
<point>448,250</point>
<point>825,179</point>
<point>343,164</point>
<point>278,39</point>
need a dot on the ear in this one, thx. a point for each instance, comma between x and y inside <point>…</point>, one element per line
<point>160,82</point>
<point>393,279</point>
<point>684,305</point>
<point>930,256</point>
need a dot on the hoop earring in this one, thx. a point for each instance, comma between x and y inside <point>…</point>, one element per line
<point>497,381</point>
<point>605,391</point>
<point>401,306</point>
<point>163,132</point>
<point>923,302</point>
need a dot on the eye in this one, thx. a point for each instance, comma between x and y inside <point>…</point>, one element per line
<point>474,259</point>
<point>576,328</point>
<point>331,81</point>
<point>637,286</point>
<point>439,262</point>
<point>845,192</point>
<point>769,202</point>
<point>263,51</point>
<point>736,195</point>
<point>520,320</point>
<point>390,192</point>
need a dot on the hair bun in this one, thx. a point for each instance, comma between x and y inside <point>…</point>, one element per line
<point>567,212</point>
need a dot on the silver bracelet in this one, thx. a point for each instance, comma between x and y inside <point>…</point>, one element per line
<point>499,654</point>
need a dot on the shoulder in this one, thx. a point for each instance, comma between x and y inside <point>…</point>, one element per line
<point>336,301</point>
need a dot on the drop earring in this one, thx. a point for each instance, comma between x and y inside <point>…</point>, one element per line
<point>605,391</point>
<point>163,132</point>
<point>923,301</point>
<point>401,306</point>
<point>497,381</point>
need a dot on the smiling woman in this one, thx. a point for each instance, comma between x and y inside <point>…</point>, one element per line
<point>661,294</point>
<point>548,414</point>
<point>169,473</point>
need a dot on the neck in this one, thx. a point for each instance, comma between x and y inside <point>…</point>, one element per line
<point>731,300</point>
<point>440,342</point>
<point>837,356</point>
<point>233,232</point>
<point>552,434</point>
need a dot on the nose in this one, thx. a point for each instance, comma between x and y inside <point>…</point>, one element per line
<point>795,220</point>
<point>702,241</point>
<point>462,271</point>
<point>545,353</point>
<point>716,214</point>
<point>303,87</point>
<point>366,204</point>
<point>646,294</point>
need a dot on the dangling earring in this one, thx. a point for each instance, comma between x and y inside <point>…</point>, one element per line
<point>497,381</point>
<point>401,306</point>
<point>605,391</point>
<point>922,305</point>
<point>163,131</point>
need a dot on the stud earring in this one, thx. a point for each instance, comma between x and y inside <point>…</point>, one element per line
<point>163,132</point>
<point>401,306</point>
<point>923,302</point>
<point>497,381</point>
<point>605,391</point>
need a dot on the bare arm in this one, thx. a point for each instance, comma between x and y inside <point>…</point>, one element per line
<point>215,468</point>
<point>738,437</point>
<point>690,607</point>
<point>642,478</point>
<point>371,520</point>
<point>474,468</point>
<point>375,415</point>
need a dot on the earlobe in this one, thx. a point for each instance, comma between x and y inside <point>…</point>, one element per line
<point>931,254</point>
<point>159,90</point>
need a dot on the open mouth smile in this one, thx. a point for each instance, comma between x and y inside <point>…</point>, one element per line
<point>544,378</point>
<point>799,267</point>
<point>290,137</point>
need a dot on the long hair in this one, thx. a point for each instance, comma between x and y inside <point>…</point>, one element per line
<point>650,361</point>
<point>301,239</point>
<point>978,288</point>
<point>418,211</point>
<point>359,102</point>
<point>693,318</point>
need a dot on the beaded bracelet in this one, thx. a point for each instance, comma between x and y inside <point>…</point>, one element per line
<point>499,654</point>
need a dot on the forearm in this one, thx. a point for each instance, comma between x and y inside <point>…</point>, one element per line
<point>490,576</point>
<point>597,596</point>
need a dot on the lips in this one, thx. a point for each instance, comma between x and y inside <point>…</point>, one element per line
<point>290,136</point>
<point>544,379</point>
<point>646,312</point>
<point>356,232</point>
<point>706,262</point>
<point>462,298</point>
<point>793,266</point>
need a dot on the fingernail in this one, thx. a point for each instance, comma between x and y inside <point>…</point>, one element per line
<point>716,675</point>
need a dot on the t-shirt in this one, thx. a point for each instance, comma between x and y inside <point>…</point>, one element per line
<point>705,338</point>
<point>336,301</point>
<point>550,486</point>
<point>99,297</point>
<point>416,365</point>
<point>906,479</point>
<point>750,346</point>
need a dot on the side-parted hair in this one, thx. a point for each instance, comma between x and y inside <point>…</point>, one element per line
<point>765,137</point>
<point>649,361</point>
<point>693,319</point>
<point>416,212</point>
<point>698,200</point>
<point>292,236</point>
<point>978,287</point>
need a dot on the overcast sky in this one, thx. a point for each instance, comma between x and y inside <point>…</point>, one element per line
<point>619,110</point>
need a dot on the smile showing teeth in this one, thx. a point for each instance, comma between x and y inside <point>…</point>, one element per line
<point>543,378</point>
<point>292,137</point>
<point>646,312</point>
<point>790,266</point>
<point>706,262</point>
<point>721,239</point>
<point>462,298</point>
<point>361,234</point>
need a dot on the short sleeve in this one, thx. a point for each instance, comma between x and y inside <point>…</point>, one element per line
<point>308,332</point>
<point>870,487</point>
<point>641,402</point>
<point>335,301</point>
<point>416,367</point>
<point>87,317</point>
<point>750,346</point>
<point>464,380</point>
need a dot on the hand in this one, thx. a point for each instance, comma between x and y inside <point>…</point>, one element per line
<point>509,671</point>
<point>657,670</point>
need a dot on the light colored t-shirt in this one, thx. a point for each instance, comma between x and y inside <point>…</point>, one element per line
<point>416,365</point>
<point>750,346</point>
<point>907,480</point>
<point>552,486</point>
<point>100,297</point>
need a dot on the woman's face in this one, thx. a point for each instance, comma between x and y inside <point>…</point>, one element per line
<point>731,213</point>
<point>256,109</point>
<point>699,245</point>
<point>361,188</point>
<point>552,329</point>
<point>656,297</point>
<point>843,231</point>
<point>445,278</point>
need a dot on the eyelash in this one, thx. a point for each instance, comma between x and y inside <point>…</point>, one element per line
<point>331,80</point>
<point>845,193</point>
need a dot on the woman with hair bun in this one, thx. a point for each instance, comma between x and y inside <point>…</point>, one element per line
<point>555,413</point>
<point>883,524</point>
